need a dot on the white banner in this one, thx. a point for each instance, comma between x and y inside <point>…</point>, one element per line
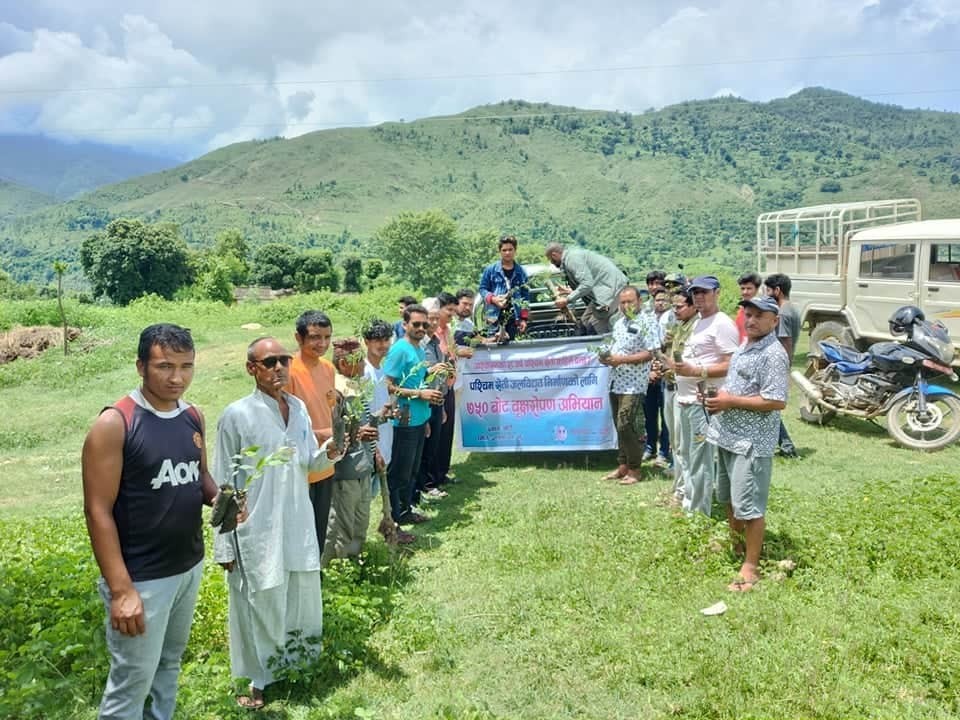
<point>535,398</point>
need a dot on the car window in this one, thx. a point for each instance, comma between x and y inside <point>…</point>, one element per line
<point>888,261</point>
<point>945,263</point>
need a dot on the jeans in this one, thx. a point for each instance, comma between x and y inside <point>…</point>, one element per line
<point>147,665</point>
<point>404,465</point>
<point>786,444</point>
<point>320,496</point>
<point>626,409</point>
<point>657,426</point>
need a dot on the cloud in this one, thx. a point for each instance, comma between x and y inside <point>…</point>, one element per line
<point>190,76</point>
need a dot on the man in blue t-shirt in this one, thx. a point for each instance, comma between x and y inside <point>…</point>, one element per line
<point>405,369</point>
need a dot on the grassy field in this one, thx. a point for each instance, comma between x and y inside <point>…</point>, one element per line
<point>536,591</point>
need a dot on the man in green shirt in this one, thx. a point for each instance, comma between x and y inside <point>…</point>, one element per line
<point>592,278</point>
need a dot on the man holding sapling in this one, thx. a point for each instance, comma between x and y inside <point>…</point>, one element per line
<point>272,558</point>
<point>405,368</point>
<point>635,337</point>
<point>145,480</point>
<point>350,505</point>
<point>311,378</point>
<point>746,429</point>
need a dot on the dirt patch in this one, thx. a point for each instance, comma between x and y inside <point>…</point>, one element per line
<point>29,342</point>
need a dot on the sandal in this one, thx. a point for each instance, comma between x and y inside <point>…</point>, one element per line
<point>253,701</point>
<point>742,584</point>
<point>629,480</point>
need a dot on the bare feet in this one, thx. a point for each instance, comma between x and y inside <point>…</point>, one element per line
<point>253,701</point>
<point>629,479</point>
<point>620,472</point>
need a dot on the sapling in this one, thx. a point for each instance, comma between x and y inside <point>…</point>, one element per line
<point>231,501</point>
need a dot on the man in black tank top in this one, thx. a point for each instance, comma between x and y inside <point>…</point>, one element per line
<point>145,480</point>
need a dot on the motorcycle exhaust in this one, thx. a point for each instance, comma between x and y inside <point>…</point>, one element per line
<point>811,390</point>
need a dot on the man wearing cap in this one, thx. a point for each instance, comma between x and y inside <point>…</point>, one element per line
<point>744,428</point>
<point>593,278</point>
<point>706,356</point>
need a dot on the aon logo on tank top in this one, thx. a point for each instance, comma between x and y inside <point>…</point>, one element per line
<point>180,474</point>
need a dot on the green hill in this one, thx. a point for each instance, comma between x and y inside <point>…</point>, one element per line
<point>16,200</point>
<point>686,181</point>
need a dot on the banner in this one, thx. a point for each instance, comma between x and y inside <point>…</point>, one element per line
<point>535,398</point>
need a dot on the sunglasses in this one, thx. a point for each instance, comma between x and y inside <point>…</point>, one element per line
<point>271,362</point>
<point>420,325</point>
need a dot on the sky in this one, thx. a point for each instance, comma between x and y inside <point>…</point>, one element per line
<point>183,77</point>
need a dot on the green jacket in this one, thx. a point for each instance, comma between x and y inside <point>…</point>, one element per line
<point>592,276</point>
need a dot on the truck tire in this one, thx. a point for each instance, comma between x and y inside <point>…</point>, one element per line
<point>830,330</point>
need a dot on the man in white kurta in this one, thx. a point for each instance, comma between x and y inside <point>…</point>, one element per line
<point>272,558</point>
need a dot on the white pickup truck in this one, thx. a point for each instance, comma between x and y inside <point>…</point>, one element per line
<point>853,264</point>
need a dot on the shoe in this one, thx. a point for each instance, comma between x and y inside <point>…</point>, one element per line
<point>449,479</point>
<point>647,455</point>
<point>791,453</point>
<point>405,538</point>
<point>661,462</point>
<point>434,494</point>
<point>412,518</point>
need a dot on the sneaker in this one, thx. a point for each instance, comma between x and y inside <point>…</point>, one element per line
<point>412,518</point>
<point>647,455</point>
<point>789,453</point>
<point>434,494</point>
<point>661,462</point>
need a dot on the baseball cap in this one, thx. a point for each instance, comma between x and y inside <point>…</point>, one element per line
<point>705,282</point>
<point>764,303</point>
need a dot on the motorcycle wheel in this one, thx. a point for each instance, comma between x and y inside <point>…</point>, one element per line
<point>939,427</point>
<point>810,410</point>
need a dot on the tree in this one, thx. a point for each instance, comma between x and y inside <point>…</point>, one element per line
<point>373,268</point>
<point>422,248</point>
<point>316,271</point>
<point>831,186</point>
<point>352,273</point>
<point>275,265</point>
<point>60,267</point>
<point>234,249</point>
<point>133,258</point>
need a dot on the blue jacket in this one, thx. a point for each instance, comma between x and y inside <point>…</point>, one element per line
<point>493,281</point>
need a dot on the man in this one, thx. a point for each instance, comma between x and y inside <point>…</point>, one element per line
<point>706,356</point>
<point>311,378</point>
<point>655,279</point>
<point>377,337</point>
<point>686,315</point>
<point>272,558</point>
<point>745,430</point>
<point>145,480</point>
<point>430,475</point>
<point>657,429</point>
<point>405,370</point>
<point>403,302</point>
<point>749,284</point>
<point>350,502</point>
<point>592,278</point>
<point>635,337</point>
<point>463,328</point>
<point>788,332</point>
<point>503,287</point>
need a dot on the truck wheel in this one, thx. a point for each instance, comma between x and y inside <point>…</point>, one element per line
<point>938,427</point>
<point>830,330</point>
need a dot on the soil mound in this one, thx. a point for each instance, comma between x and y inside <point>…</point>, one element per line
<point>29,342</point>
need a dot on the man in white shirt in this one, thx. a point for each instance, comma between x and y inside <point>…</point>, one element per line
<point>706,357</point>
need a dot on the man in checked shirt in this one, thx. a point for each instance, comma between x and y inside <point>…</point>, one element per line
<point>746,430</point>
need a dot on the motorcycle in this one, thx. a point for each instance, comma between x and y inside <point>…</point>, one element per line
<point>892,379</point>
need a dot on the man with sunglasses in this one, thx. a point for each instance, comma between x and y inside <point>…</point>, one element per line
<point>405,368</point>
<point>272,558</point>
<point>312,379</point>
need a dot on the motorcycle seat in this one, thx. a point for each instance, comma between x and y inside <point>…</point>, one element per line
<point>836,353</point>
<point>852,368</point>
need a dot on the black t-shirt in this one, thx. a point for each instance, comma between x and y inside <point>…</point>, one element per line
<point>158,510</point>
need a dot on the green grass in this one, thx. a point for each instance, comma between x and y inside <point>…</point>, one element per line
<point>537,590</point>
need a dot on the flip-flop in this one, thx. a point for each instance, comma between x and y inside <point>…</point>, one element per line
<point>630,480</point>
<point>741,584</point>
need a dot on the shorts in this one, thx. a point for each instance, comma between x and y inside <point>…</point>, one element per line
<point>743,481</point>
